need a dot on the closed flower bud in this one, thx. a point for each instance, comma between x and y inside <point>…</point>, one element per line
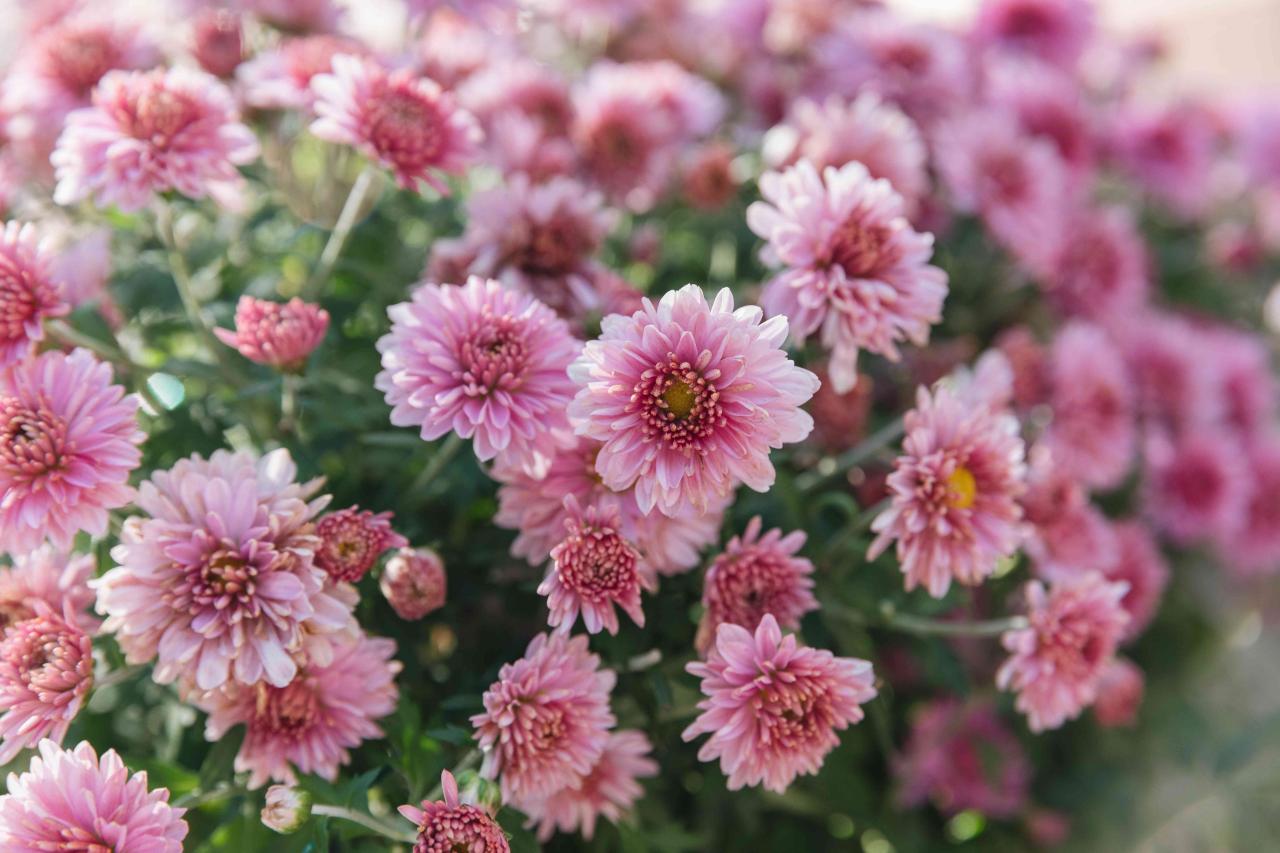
<point>414,582</point>
<point>287,809</point>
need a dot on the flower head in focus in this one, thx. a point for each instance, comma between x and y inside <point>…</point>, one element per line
<point>279,335</point>
<point>46,671</point>
<point>449,824</point>
<point>352,540</point>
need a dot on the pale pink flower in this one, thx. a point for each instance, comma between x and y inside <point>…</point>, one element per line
<point>609,790</point>
<point>29,294</point>
<point>1056,662</point>
<point>989,382</point>
<point>955,489</point>
<point>1052,30</point>
<point>1100,267</point>
<point>280,78</point>
<point>1120,690</point>
<point>277,334</point>
<point>961,757</point>
<point>1066,533</point>
<point>1137,562</point>
<point>216,583</point>
<point>1195,485</point>
<point>217,41</point>
<point>1050,104</point>
<point>449,824</point>
<point>853,267</point>
<point>51,577</point>
<point>414,582</point>
<point>1258,142</point>
<point>688,398</point>
<point>594,569</point>
<point>773,706</point>
<point>754,576</point>
<point>1093,428</point>
<point>69,800</point>
<point>351,541</point>
<point>151,132</point>
<point>82,264</point>
<point>406,123</point>
<point>546,720</point>
<point>519,145</point>
<point>1252,545</point>
<point>1029,360</point>
<point>516,83</point>
<point>485,362</point>
<point>46,671</point>
<point>1169,151</point>
<point>1172,369</point>
<point>70,441</point>
<point>311,722</point>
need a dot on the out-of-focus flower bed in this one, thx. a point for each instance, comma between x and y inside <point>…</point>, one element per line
<point>618,425</point>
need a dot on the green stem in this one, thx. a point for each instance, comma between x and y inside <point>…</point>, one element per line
<point>186,289</point>
<point>289,402</point>
<point>444,455</point>
<point>934,627</point>
<point>865,450</point>
<point>367,821</point>
<point>341,231</point>
<point>200,798</point>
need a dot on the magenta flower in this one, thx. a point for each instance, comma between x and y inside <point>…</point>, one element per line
<point>1053,30</point>
<point>955,491</point>
<point>1242,369</point>
<point>485,362</point>
<point>406,123</point>
<point>756,575</point>
<point>1196,485</point>
<point>1100,268</point>
<point>963,757</point>
<point>1048,103</point>
<point>1120,692</point>
<point>853,267</point>
<point>1139,564</point>
<point>311,722</point>
<point>546,720</point>
<point>1172,369</point>
<point>351,541</point>
<point>448,825</point>
<point>46,670</point>
<point>414,582</point>
<point>1170,151</point>
<point>281,78</point>
<point>773,706</point>
<point>216,583</point>
<point>51,577</point>
<point>1252,545</point>
<point>28,293</point>
<point>1055,662</point>
<point>69,800</point>
<point>70,441</point>
<point>688,399</point>
<point>594,569</point>
<point>217,41</point>
<point>1066,534</point>
<point>279,335</point>
<point>609,790</point>
<point>151,132</point>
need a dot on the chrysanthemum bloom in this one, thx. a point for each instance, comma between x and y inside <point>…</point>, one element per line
<point>217,41</point>
<point>955,490</point>
<point>688,398</point>
<point>1029,360</point>
<point>414,582</point>
<point>28,292</point>
<point>71,800</point>
<point>69,442</point>
<point>594,569</point>
<point>281,78</point>
<point>608,791</point>
<point>1056,661</point>
<point>1252,545</point>
<point>1172,369</point>
<point>1099,270</point>
<point>82,264</point>
<point>279,335</point>
<point>1053,30</point>
<point>1120,692</point>
<point>1170,152</point>
<point>151,132</point>
<point>840,420</point>
<point>867,130</point>
<point>708,177</point>
<point>352,540</point>
<point>1066,534</point>
<point>1242,368</point>
<point>518,84</point>
<point>1196,485</point>
<point>546,719</point>
<point>961,757</point>
<point>50,576</point>
<point>217,582</point>
<point>1137,562</point>
<point>449,824</point>
<point>46,670</point>
<point>773,706</point>
<point>408,124</point>
<point>756,575</point>
<point>854,269</point>
<point>311,722</point>
<point>1093,428</point>
<point>1048,103</point>
<point>484,361</point>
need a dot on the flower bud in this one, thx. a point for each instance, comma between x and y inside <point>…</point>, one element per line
<point>287,809</point>
<point>414,582</point>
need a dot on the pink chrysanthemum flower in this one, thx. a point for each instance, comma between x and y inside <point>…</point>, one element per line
<point>773,706</point>
<point>546,720</point>
<point>1093,428</point>
<point>709,179</point>
<point>1242,370</point>
<point>280,78</point>
<point>955,491</point>
<point>1048,103</point>
<point>414,582</point>
<point>483,361</point>
<point>151,132</point>
<point>1172,369</point>
<point>407,123</point>
<point>1252,545</point>
<point>1120,692</point>
<point>853,266</point>
<point>1066,534</point>
<point>28,293</point>
<point>311,722</point>
<point>217,41</point>
<point>69,442</point>
<point>51,577</point>
<point>594,569</point>
<point>1137,562</point>
<point>1100,268</point>
<point>279,335</point>
<point>216,582</point>
<point>1170,152</point>
<point>449,825</point>
<point>72,800</point>
<point>963,757</point>
<point>688,398</point>
<point>609,790</point>
<point>1052,30</point>
<point>866,130</point>
<point>1196,485</point>
<point>1071,637</point>
<point>46,671</point>
<point>756,575</point>
<point>351,541</point>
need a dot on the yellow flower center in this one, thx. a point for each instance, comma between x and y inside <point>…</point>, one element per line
<point>963,488</point>
<point>679,398</point>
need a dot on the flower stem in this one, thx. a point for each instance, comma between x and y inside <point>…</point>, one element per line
<point>934,627</point>
<point>367,821</point>
<point>341,231</point>
<point>186,289</point>
<point>444,455</point>
<point>289,403</point>
<point>865,450</point>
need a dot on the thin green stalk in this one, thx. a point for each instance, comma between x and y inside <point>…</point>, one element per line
<point>200,798</point>
<point>934,627</point>
<point>444,455</point>
<point>865,450</point>
<point>369,822</point>
<point>341,231</point>
<point>186,290</point>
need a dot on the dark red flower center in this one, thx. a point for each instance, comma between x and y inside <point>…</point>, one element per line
<point>34,440</point>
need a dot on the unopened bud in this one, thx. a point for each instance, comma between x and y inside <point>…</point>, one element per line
<point>287,809</point>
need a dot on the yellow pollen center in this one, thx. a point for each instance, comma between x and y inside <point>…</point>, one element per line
<point>963,488</point>
<point>679,398</point>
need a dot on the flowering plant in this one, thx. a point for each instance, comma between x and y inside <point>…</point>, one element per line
<point>623,426</point>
